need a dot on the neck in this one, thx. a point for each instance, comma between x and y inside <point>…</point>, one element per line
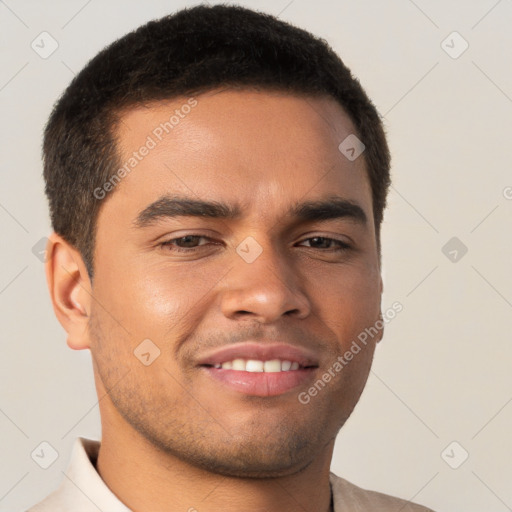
<point>146,478</point>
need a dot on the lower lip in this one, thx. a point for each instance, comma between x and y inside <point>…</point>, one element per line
<point>261,383</point>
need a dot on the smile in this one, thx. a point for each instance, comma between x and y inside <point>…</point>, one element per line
<point>255,365</point>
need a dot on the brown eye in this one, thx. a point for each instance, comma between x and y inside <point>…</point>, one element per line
<point>320,242</point>
<point>187,243</point>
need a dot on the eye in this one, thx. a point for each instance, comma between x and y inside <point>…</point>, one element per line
<point>323,240</point>
<point>189,241</point>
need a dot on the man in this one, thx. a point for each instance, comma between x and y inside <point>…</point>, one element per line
<point>217,181</point>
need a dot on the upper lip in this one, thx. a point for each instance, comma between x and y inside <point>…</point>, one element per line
<point>261,352</point>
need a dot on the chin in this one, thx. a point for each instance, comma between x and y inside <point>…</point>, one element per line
<point>269,454</point>
<point>256,465</point>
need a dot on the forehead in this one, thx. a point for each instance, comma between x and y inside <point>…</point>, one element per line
<point>265,149</point>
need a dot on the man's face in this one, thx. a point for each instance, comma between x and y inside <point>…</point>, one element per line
<point>266,285</point>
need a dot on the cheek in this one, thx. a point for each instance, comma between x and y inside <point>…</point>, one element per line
<point>351,309</point>
<point>348,297</point>
<point>165,298</point>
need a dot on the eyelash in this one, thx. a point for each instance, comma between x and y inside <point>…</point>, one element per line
<point>342,246</point>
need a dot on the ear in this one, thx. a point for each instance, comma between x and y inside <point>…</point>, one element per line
<point>70,290</point>
<point>381,330</point>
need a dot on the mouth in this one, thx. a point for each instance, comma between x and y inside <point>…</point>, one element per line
<point>257,365</point>
<point>260,370</point>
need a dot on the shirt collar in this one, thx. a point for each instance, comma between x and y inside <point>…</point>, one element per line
<point>82,483</point>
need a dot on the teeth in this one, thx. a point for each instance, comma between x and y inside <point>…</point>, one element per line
<point>272,366</point>
<point>254,365</point>
<point>286,365</point>
<point>238,364</point>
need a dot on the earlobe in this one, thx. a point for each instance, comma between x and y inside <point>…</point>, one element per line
<point>381,318</point>
<point>380,323</point>
<point>70,289</point>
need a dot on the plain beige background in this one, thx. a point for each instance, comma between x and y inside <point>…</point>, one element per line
<point>442,373</point>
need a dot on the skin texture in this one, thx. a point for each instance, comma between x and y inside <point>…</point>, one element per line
<point>173,438</point>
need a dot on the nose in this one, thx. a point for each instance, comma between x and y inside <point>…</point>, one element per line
<point>264,289</point>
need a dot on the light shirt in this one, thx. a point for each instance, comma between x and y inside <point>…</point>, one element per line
<point>83,490</point>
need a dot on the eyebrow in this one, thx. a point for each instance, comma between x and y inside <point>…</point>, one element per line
<point>333,207</point>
